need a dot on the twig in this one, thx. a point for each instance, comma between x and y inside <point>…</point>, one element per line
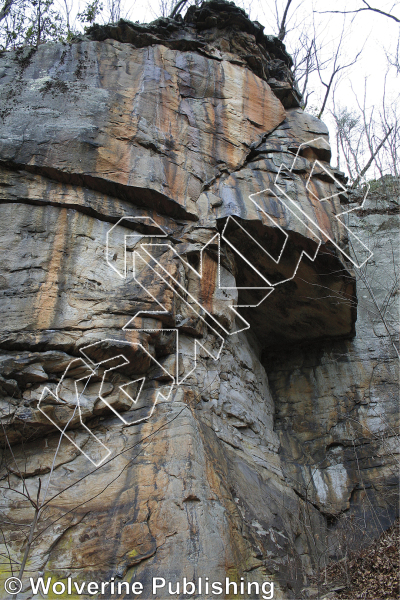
<point>358,10</point>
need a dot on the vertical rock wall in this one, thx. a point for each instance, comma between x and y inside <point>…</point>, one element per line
<point>193,126</point>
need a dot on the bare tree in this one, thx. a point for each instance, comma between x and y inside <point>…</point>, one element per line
<point>374,153</point>
<point>337,68</point>
<point>366,7</point>
<point>367,137</point>
<point>282,27</point>
<point>307,59</point>
<point>114,10</point>
<point>348,137</point>
<point>394,59</point>
<point>283,17</point>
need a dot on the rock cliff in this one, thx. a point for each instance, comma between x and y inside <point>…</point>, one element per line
<point>165,199</point>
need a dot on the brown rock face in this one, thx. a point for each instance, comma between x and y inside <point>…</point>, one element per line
<point>177,299</point>
<point>158,122</point>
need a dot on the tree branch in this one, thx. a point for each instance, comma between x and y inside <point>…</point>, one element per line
<point>358,10</point>
<point>336,69</point>
<point>369,163</point>
<point>282,29</point>
<point>177,8</point>
<point>6,9</point>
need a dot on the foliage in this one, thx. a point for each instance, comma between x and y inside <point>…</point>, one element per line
<point>14,26</point>
<point>31,22</point>
<point>91,12</point>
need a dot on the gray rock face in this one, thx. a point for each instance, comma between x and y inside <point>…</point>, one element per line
<point>233,442</point>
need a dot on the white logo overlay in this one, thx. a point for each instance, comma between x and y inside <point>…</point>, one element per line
<point>145,259</point>
<point>13,585</point>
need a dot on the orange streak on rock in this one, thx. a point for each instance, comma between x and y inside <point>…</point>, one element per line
<point>46,304</point>
<point>208,282</point>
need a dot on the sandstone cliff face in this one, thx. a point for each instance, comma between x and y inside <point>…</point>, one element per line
<point>274,431</point>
